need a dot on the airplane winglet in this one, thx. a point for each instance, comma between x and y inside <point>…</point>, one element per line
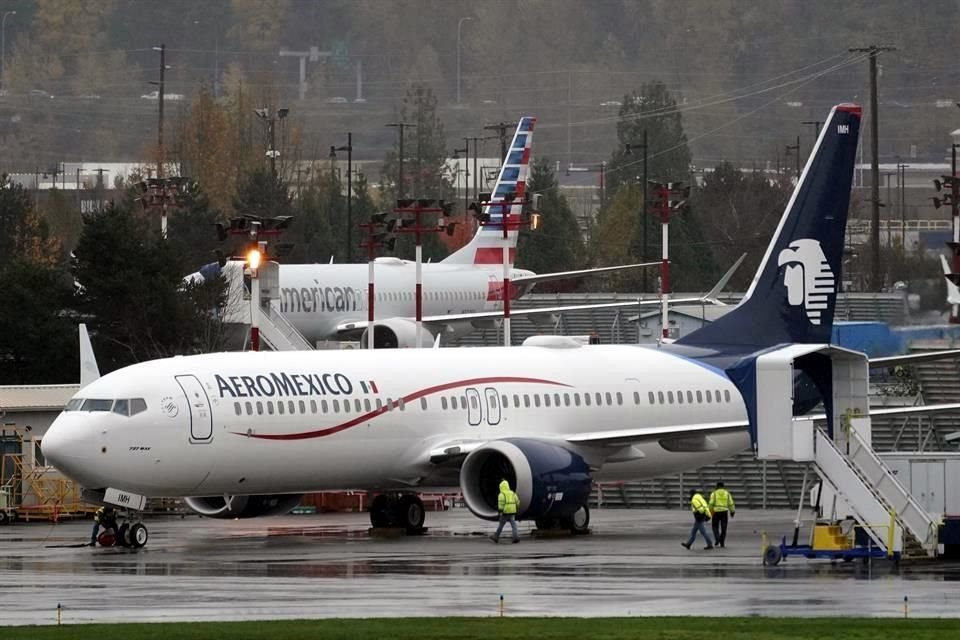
<point>722,282</point>
<point>953,291</point>
<point>89,371</point>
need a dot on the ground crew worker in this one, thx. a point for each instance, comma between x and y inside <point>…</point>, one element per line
<point>701,514</point>
<point>721,505</point>
<point>508,503</point>
<point>105,516</point>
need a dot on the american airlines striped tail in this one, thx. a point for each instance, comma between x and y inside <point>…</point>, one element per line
<point>486,246</point>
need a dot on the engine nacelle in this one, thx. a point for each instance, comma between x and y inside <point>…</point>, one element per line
<point>396,333</point>
<point>549,479</point>
<point>244,506</point>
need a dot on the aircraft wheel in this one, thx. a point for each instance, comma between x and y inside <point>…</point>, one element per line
<point>411,513</point>
<point>579,522</point>
<point>138,535</point>
<point>123,535</point>
<point>772,556</point>
<point>4,519</point>
<point>380,512</point>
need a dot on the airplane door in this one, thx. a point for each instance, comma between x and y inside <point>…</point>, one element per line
<point>474,408</point>
<point>201,418</point>
<point>493,406</point>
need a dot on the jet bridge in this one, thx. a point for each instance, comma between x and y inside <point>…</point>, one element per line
<point>275,330</point>
<point>840,453</point>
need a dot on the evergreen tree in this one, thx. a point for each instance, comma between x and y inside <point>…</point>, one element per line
<point>558,244</point>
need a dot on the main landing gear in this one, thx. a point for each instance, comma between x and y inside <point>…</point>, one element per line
<point>398,511</point>
<point>577,523</point>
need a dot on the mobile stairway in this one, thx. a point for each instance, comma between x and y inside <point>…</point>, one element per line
<point>276,332</point>
<point>839,451</point>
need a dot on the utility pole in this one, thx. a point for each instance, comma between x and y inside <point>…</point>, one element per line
<point>816,127</point>
<point>333,155</point>
<point>160,99</point>
<point>643,216</point>
<point>873,50</point>
<point>476,155</point>
<point>901,180</point>
<point>466,174</point>
<point>400,126</point>
<point>795,148</point>
<point>501,128</point>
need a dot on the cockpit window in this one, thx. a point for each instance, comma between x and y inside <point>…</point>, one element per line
<point>74,404</point>
<point>122,407</point>
<point>96,405</point>
<point>137,405</point>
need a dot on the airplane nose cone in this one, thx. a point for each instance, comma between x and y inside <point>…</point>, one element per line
<point>52,445</point>
<point>63,447</point>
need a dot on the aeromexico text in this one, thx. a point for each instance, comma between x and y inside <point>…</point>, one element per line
<point>282,384</point>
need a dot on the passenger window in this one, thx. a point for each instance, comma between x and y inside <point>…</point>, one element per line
<point>556,399</point>
<point>122,407</point>
<point>443,403</point>
<point>516,401</point>
<point>423,403</point>
<point>526,400</point>
<point>599,398</point>
<point>679,397</point>
<point>536,399</point>
<point>636,398</point>
<point>358,406</point>
<point>336,406</point>
<point>660,396</point>
<point>402,403</point>
<point>237,408</point>
<point>303,406</point>
<point>608,398</point>
<point>726,395</point>
<point>576,399</point>
<point>670,397</point>
<point>709,396</point>
<point>566,399</point>
<point>270,407</point>
<point>324,406</point>
<point>546,399</point>
<point>249,409</point>
<point>463,402</point>
<point>453,403</point>
<point>699,397</point>
<point>718,396</point>
<point>313,407</point>
<point>689,397</point>
<point>474,404</point>
<point>259,408</point>
<point>280,407</point>
<point>292,407</point>
<point>503,401</point>
<point>346,406</point>
<point>586,399</point>
<point>620,398</point>
<point>380,404</point>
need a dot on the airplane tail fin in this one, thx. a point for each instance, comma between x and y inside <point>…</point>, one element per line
<point>953,291</point>
<point>794,292</point>
<point>486,246</point>
<point>89,371</point>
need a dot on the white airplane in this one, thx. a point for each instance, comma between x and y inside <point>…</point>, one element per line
<point>460,293</point>
<point>246,434</point>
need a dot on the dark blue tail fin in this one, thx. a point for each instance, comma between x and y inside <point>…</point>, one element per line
<point>793,294</point>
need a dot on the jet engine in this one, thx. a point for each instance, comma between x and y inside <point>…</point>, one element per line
<point>396,333</point>
<point>551,481</point>
<point>244,506</point>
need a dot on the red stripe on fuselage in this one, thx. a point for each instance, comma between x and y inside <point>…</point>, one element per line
<point>320,433</point>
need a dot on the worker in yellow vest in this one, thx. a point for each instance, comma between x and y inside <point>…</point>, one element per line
<point>508,504</point>
<point>721,505</point>
<point>701,515</point>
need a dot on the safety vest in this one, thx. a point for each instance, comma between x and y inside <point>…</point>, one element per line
<point>699,505</point>
<point>507,502</point>
<point>98,515</point>
<point>721,500</point>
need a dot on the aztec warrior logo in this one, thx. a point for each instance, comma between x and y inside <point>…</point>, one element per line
<point>808,278</point>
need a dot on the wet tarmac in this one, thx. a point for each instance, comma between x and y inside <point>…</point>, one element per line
<point>328,566</point>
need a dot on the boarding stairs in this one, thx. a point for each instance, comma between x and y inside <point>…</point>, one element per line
<point>845,460</point>
<point>276,332</point>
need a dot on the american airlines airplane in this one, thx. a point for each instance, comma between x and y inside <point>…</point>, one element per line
<point>246,434</point>
<point>460,293</point>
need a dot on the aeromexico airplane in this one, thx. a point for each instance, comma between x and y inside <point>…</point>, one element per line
<point>461,292</point>
<point>245,434</point>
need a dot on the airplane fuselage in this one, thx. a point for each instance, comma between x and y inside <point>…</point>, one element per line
<point>254,423</point>
<point>319,298</point>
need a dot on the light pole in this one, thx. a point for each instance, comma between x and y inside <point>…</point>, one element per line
<point>459,27</point>
<point>3,50</point>
<point>333,155</point>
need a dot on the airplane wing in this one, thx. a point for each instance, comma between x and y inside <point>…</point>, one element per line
<point>355,325</point>
<point>623,437</point>
<point>578,273</point>
<point>908,358</point>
